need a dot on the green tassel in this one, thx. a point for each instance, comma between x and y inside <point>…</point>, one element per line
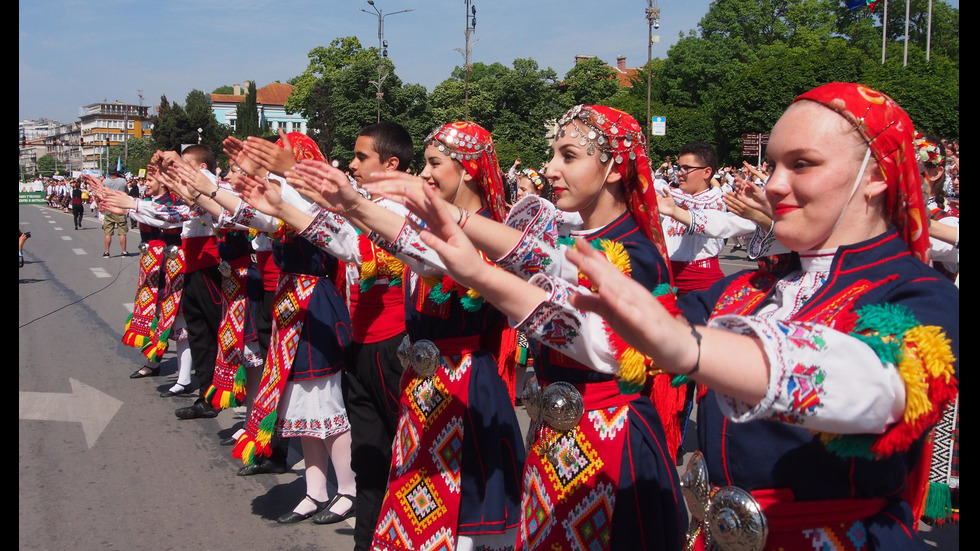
<point>471,304</point>
<point>939,502</point>
<point>437,296</point>
<point>395,282</point>
<point>367,283</point>
<point>889,351</point>
<point>626,387</point>
<point>664,289</point>
<point>887,319</point>
<point>679,381</point>
<point>853,445</point>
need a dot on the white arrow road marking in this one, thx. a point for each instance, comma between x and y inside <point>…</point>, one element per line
<point>86,405</point>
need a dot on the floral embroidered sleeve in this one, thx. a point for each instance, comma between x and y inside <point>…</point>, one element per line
<point>718,223</point>
<point>334,234</point>
<point>407,246</point>
<point>160,215</point>
<point>539,250</point>
<point>559,325</point>
<point>870,392</point>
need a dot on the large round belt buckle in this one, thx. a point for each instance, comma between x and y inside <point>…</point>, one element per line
<point>172,251</point>
<point>144,247</point>
<point>735,520</point>
<point>225,268</point>
<point>695,486</point>
<point>425,358</point>
<point>562,406</point>
<point>403,350</point>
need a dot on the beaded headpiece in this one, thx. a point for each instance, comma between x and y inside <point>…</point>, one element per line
<point>615,135</point>
<point>471,145</point>
<point>888,131</point>
<point>535,178</point>
<point>927,152</point>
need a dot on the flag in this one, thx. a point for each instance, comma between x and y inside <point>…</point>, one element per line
<point>855,4</point>
<point>118,164</point>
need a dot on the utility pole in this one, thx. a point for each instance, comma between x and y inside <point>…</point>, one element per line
<point>653,22</point>
<point>469,20</point>
<point>382,48</point>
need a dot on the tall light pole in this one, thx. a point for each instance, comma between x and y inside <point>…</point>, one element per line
<point>653,21</point>
<point>469,19</point>
<point>382,47</point>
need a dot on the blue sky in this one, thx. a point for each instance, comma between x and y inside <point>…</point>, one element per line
<point>74,53</point>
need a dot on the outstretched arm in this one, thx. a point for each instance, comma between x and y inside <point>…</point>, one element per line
<point>730,363</point>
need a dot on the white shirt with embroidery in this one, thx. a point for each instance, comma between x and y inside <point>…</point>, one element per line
<point>847,388</point>
<point>690,243</point>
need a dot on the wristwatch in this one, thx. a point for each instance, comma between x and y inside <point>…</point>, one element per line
<point>213,193</point>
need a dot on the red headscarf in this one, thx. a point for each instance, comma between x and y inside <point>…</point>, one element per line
<point>890,134</point>
<point>303,147</point>
<point>471,145</point>
<point>620,138</point>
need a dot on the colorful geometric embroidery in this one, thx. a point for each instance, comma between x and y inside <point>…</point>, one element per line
<point>561,330</point>
<point>571,460</point>
<point>393,532</point>
<point>590,524</point>
<point>537,510</point>
<point>805,385</point>
<point>420,501</point>
<point>607,422</point>
<point>428,398</point>
<point>406,445</point>
<point>442,540</point>
<point>447,453</point>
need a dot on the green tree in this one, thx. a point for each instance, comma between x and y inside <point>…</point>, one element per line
<point>140,151</point>
<point>247,114</point>
<point>46,166</point>
<point>170,126</point>
<point>223,90</point>
<point>590,81</point>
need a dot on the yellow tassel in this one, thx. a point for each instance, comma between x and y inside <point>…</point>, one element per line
<point>632,366</point>
<point>369,269</point>
<point>933,349</point>
<point>616,253</point>
<point>916,386</point>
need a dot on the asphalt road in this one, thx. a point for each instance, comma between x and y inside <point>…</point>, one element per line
<point>103,462</point>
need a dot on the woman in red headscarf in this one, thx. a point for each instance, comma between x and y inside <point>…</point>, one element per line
<point>299,394</point>
<point>599,473</point>
<point>825,379</point>
<point>454,480</point>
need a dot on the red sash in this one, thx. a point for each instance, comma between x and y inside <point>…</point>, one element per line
<point>148,328</point>
<point>228,387</point>
<point>421,507</point>
<point>567,497</point>
<point>288,314</point>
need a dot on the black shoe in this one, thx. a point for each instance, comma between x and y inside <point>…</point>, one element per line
<point>145,371</point>
<point>105,254</point>
<point>200,410</point>
<point>293,517</point>
<point>329,517</point>
<point>176,390</point>
<point>22,261</point>
<point>264,466</point>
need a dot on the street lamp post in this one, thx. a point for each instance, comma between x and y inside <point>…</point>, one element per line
<point>469,19</point>
<point>653,21</point>
<point>382,48</point>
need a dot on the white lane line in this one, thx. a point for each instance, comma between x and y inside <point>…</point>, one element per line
<point>128,306</point>
<point>65,237</point>
<point>79,251</point>
<point>100,272</point>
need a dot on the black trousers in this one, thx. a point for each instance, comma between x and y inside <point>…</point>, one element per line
<point>371,385</point>
<point>201,305</point>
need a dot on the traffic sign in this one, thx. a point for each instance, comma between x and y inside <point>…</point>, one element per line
<point>658,126</point>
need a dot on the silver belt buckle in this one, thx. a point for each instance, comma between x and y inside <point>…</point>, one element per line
<point>732,520</point>
<point>225,268</point>
<point>171,251</point>
<point>144,247</point>
<point>559,405</point>
<point>423,356</point>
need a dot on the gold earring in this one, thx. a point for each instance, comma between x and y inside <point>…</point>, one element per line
<point>867,197</point>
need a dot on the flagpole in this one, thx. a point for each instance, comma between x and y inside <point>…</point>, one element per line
<point>908,4</point>
<point>929,31</point>
<point>884,33</point>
